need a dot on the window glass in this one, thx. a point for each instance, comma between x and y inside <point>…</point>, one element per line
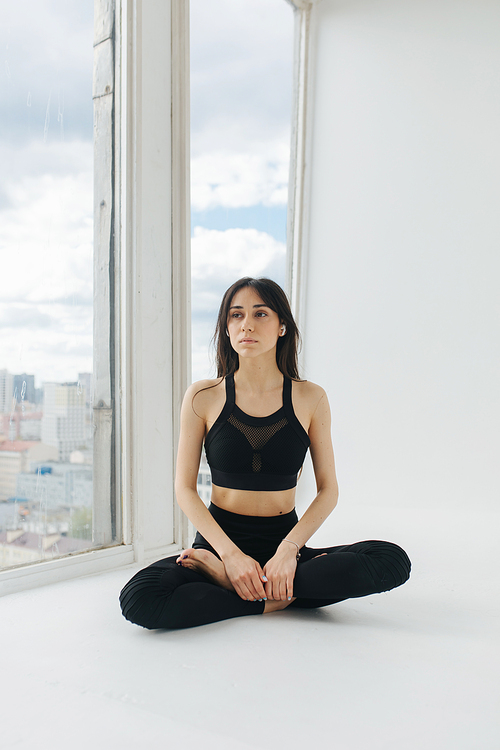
<point>46,285</point>
<point>241,106</point>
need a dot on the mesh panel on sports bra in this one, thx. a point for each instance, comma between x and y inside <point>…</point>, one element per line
<point>258,437</point>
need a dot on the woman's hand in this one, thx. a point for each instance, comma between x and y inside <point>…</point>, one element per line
<point>280,572</point>
<point>246,575</point>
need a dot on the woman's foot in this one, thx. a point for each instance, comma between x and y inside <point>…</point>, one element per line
<point>205,562</point>
<point>273,605</point>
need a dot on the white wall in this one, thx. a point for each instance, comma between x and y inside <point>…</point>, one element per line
<point>401,321</point>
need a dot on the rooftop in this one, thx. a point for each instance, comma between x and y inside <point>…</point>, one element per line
<point>17,446</point>
<point>52,544</point>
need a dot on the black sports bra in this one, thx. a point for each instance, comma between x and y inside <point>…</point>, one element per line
<point>256,453</point>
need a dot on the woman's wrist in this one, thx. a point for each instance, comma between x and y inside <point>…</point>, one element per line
<point>290,548</point>
<point>230,553</point>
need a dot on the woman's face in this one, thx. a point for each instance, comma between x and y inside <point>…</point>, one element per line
<point>252,326</point>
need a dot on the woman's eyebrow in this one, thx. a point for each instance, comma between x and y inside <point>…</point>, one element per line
<point>240,307</point>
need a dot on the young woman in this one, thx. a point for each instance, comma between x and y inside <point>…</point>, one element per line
<point>256,420</point>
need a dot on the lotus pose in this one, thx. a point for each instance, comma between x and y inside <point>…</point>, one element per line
<point>256,420</point>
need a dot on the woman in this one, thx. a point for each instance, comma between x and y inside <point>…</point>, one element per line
<point>257,421</point>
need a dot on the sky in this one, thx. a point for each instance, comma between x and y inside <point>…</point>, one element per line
<point>241,103</point>
<point>46,188</point>
<point>241,99</point>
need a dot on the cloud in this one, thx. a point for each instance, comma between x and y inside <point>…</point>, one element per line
<point>243,179</point>
<point>241,73</point>
<point>46,237</point>
<point>46,284</point>
<point>241,102</point>
<point>23,316</point>
<point>218,259</point>
<point>37,158</point>
<point>51,355</point>
<point>52,341</point>
<point>46,81</point>
<point>217,255</point>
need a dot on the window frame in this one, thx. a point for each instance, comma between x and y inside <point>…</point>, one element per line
<point>300,153</point>
<point>142,289</point>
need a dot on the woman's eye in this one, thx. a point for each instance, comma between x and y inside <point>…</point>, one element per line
<point>259,314</point>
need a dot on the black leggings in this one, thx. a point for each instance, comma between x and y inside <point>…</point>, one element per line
<point>166,595</point>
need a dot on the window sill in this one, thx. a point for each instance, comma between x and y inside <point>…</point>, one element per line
<point>75,566</point>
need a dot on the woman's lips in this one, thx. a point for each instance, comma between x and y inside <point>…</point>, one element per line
<point>248,341</point>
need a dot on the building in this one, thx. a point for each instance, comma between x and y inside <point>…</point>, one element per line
<point>63,422</point>
<point>59,484</point>
<point>22,423</point>
<point>9,425</point>
<point>30,426</point>
<point>15,457</point>
<point>6,390</point>
<point>23,388</point>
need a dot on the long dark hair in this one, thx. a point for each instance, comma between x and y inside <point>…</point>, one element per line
<point>273,296</point>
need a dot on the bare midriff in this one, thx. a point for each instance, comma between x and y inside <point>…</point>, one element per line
<point>251,503</point>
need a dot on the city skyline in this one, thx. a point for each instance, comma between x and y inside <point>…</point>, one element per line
<point>38,384</point>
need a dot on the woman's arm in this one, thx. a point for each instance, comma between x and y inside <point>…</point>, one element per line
<point>280,569</point>
<point>244,573</point>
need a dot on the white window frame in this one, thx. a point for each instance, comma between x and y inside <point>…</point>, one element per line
<point>142,285</point>
<point>300,151</point>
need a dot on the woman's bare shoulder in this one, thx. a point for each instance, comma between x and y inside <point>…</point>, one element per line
<point>200,385</point>
<point>204,394</point>
<point>309,391</point>
<point>306,397</point>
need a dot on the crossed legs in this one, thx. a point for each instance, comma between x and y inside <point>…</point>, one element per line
<point>166,595</point>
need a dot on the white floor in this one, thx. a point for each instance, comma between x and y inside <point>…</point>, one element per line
<point>411,669</point>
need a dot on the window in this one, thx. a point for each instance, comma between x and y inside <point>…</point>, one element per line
<point>141,335</point>
<point>46,287</point>
<point>241,107</point>
<point>126,402</point>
